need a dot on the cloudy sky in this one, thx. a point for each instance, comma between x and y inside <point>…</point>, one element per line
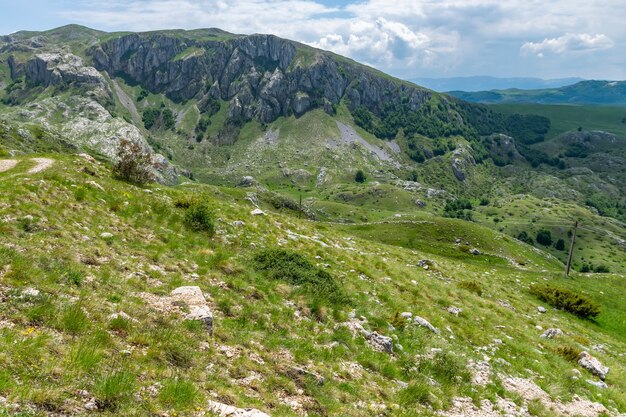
<point>407,38</point>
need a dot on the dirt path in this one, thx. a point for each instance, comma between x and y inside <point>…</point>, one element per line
<point>7,164</point>
<point>42,165</point>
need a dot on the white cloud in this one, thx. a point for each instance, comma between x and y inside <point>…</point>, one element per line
<point>570,42</point>
<point>403,37</point>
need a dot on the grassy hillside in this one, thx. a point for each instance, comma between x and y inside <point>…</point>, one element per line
<point>569,117</point>
<point>88,325</point>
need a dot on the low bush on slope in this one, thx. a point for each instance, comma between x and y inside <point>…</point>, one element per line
<point>567,300</point>
<point>295,269</point>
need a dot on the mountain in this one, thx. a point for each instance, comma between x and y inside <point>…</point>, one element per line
<point>320,239</point>
<point>584,92</point>
<point>486,83</point>
<point>219,107</point>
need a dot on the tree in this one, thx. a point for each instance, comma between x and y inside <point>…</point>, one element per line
<point>134,164</point>
<point>560,244</point>
<point>524,237</point>
<point>544,237</point>
<point>360,176</point>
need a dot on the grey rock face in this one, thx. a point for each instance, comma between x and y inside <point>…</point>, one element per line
<point>593,365</point>
<point>57,68</point>
<point>261,76</point>
<point>462,159</point>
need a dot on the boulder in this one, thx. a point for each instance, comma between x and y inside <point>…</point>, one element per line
<point>593,365</point>
<point>190,295</point>
<point>425,323</point>
<point>257,212</point>
<point>597,384</point>
<point>247,181</point>
<point>193,298</point>
<point>454,310</point>
<point>541,309</point>
<point>378,341</point>
<point>203,315</point>
<point>475,251</point>
<point>552,333</point>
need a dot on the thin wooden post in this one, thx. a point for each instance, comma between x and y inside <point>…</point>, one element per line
<point>571,251</point>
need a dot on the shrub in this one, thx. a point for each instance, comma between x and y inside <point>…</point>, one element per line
<point>360,176</point>
<point>398,321</point>
<point>601,269</point>
<point>544,237</point>
<point>567,300</point>
<point>459,209</point>
<point>295,269</point>
<point>471,286</point>
<point>568,352</point>
<point>199,218</point>
<point>134,164</point>
<point>560,244</point>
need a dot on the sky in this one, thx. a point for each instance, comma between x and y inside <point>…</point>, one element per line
<point>406,38</point>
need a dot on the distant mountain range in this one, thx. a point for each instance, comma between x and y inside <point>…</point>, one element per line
<point>584,92</point>
<point>480,83</point>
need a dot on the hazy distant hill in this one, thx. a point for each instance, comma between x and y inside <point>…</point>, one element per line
<point>584,92</point>
<point>480,83</point>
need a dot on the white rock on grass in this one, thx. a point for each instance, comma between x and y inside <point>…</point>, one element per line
<point>193,297</point>
<point>106,235</point>
<point>552,333</point>
<point>378,341</point>
<point>541,309</point>
<point>597,384</point>
<point>454,310</point>
<point>224,410</point>
<point>425,323</point>
<point>257,212</point>
<point>30,292</point>
<point>593,365</point>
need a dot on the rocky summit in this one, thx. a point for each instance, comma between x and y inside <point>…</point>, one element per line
<point>200,223</point>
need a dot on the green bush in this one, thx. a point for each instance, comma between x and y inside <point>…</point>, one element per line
<point>289,266</point>
<point>134,164</point>
<point>360,176</point>
<point>544,237</point>
<point>471,286</point>
<point>560,244</point>
<point>568,352</point>
<point>198,217</point>
<point>524,237</point>
<point>567,300</point>
<point>398,321</point>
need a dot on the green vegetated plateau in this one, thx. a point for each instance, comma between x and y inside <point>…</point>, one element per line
<point>373,197</point>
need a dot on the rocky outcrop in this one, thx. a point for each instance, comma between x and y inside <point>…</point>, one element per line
<point>260,76</point>
<point>56,69</point>
<point>593,365</point>
<point>462,160</point>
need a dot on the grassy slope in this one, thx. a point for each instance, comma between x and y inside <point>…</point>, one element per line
<point>565,118</point>
<point>63,341</point>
